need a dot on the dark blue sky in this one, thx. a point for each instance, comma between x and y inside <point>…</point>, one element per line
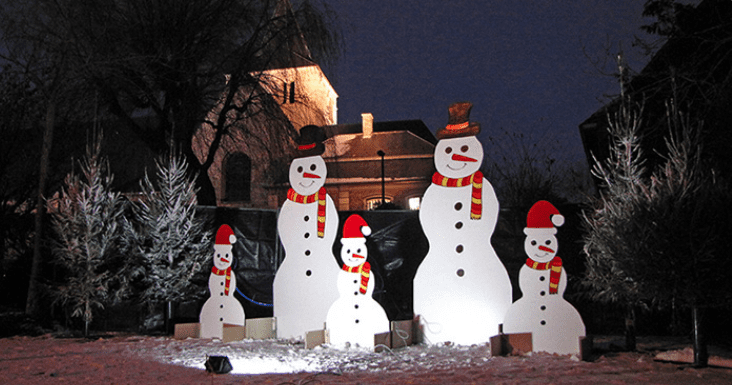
<point>527,66</point>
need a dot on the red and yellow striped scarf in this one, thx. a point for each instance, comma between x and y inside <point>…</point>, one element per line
<point>226,272</point>
<point>476,179</point>
<point>320,198</point>
<point>365,270</point>
<point>556,266</point>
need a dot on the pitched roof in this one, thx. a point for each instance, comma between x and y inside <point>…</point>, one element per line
<point>285,45</point>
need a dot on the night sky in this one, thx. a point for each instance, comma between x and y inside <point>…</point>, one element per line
<point>527,66</point>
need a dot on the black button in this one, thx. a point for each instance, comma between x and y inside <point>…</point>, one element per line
<point>356,306</point>
<point>542,307</point>
<point>459,225</point>
<point>307,235</point>
<point>307,218</point>
<point>458,206</point>
<point>542,292</point>
<point>308,273</point>
<point>459,248</point>
<point>542,278</point>
<point>543,322</point>
<point>307,252</point>
<point>460,272</point>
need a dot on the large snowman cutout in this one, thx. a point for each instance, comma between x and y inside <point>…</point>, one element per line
<point>221,307</point>
<point>307,224</point>
<point>355,317</point>
<point>555,325</point>
<point>461,289</point>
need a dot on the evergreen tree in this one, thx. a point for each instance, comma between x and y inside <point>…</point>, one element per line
<point>171,243</point>
<point>657,238</point>
<point>87,224</point>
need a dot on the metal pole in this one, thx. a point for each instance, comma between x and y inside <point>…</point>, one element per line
<point>383,190</point>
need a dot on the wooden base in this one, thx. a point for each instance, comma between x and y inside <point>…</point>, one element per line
<point>255,328</point>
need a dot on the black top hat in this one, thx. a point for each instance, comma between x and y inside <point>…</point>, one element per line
<point>310,141</point>
<point>458,124</point>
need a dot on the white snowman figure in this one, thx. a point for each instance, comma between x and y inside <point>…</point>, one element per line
<point>461,288</point>
<point>355,317</point>
<point>554,323</point>
<point>304,285</point>
<point>221,307</point>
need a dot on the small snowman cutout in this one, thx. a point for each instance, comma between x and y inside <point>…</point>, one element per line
<point>221,307</point>
<point>307,225</point>
<point>355,317</point>
<point>461,289</point>
<point>554,323</point>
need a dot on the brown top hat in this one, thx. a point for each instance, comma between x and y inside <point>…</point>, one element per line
<point>458,125</point>
<point>310,141</point>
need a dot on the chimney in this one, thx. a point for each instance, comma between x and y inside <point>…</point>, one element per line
<point>367,123</point>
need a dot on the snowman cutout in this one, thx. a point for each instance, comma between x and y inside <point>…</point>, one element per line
<point>355,317</point>
<point>221,307</point>
<point>555,325</point>
<point>461,288</point>
<point>303,287</point>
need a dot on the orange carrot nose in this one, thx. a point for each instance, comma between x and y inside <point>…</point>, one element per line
<point>224,260</point>
<point>461,158</point>
<point>358,256</point>
<point>544,248</point>
<point>312,176</point>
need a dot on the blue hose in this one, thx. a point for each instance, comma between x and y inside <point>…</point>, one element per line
<point>253,301</point>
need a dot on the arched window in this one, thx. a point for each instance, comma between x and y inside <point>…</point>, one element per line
<point>238,177</point>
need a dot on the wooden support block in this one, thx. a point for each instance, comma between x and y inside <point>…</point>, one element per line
<point>514,343</point>
<point>417,332</point>
<point>233,333</point>
<point>315,338</point>
<point>401,333</point>
<point>381,340</point>
<point>261,328</point>
<point>585,345</point>
<point>188,330</point>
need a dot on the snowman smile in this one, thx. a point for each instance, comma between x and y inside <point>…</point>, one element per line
<point>456,168</point>
<point>307,184</point>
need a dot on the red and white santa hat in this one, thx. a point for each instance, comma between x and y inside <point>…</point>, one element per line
<point>356,227</point>
<point>543,215</point>
<point>225,236</point>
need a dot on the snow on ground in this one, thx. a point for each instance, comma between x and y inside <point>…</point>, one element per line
<point>280,356</point>
<point>134,359</point>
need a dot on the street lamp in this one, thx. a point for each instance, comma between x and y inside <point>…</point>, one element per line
<point>383,192</point>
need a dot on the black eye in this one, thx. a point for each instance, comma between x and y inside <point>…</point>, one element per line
<point>348,251</point>
<point>313,167</point>
<point>448,150</point>
<point>533,243</point>
<point>548,242</point>
<point>299,169</point>
<point>358,251</point>
<point>218,255</point>
<point>464,148</point>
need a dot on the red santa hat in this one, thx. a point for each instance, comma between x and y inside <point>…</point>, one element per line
<point>225,236</point>
<point>356,227</point>
<point>543,215</point>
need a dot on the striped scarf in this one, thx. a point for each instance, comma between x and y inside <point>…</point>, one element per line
<point>365,270</point>
<point>556,266</point>
<point>476,179</point>
<point>226,272</point>
<point>320,198</point>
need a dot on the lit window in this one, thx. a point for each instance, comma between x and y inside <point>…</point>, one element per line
<point>414,203</point>
<point>373,203</point>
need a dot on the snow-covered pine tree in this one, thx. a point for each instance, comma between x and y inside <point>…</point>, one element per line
<point>86,221</point>
<point>611,239</point>
<point>172,242</point>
